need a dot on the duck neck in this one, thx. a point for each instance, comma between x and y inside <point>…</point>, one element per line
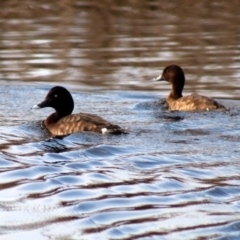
<point>53,118</point>
<point>64,109</point>
<point>56,116</point>
<point>176,92</point>
<point>177,81</point>
<point>62,113</point>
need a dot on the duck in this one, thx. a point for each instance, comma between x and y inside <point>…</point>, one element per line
<point>176,101</point>
<point>62,122</point>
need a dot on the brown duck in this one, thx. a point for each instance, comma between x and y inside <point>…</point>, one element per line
<point>62,122</point>
<point>175,100</point>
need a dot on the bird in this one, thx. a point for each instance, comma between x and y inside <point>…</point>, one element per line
<point>62,122</point>
<point>176,101</point>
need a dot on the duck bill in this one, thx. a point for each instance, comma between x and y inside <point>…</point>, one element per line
<point>159,78</point>
<point>41,105</point>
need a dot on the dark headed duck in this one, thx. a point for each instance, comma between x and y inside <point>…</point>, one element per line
<point>175,100</point>
<point>62,122</point>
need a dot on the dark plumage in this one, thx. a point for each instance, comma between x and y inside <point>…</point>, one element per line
<point>62,122</point>
<point>175,100</point>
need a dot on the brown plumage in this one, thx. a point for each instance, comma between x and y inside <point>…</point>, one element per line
<point>194,102</point>
<point>62,122</point>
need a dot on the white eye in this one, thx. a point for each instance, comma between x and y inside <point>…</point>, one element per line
<point>55,95</point>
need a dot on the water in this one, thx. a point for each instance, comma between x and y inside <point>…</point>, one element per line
<point>174,176</point>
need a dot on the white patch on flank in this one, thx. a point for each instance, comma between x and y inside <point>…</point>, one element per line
<point>104,130</point>
<point>35,107</point>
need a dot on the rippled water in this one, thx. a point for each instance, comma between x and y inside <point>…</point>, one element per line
<point>174,176</point>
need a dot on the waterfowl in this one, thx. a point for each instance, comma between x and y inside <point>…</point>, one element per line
<point>175,100</point>
<point>62,122</point>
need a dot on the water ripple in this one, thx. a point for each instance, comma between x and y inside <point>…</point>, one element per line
<point>174,176</point>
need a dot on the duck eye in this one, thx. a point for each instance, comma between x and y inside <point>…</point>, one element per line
<point>55,95</point>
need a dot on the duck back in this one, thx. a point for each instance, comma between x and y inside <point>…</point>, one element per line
<point>78,123</point>
<point>193,102</point>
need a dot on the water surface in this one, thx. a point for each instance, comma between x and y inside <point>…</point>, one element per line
<point>174,176</point>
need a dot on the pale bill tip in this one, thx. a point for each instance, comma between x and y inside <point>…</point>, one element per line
<point>156,78</point>
<point>35,107</point>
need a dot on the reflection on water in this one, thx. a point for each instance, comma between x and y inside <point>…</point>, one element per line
<point>121,45</point>
<point>174,176</point>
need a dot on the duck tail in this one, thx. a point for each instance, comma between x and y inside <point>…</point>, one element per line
<point>113,129</point>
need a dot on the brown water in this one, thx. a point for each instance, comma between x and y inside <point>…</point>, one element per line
<point>174,176</point>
